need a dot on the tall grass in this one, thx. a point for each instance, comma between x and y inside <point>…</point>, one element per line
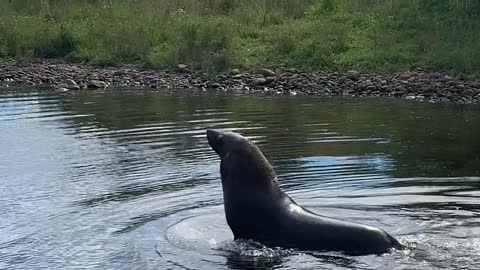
<point>218,34</point>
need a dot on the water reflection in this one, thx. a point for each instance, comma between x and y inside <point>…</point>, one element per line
<point>329,127</point>
<point>96,179</point>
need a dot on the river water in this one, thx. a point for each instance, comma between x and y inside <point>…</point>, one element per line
<point>126,179</point>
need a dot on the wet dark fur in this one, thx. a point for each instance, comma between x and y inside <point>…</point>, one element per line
<point>257,209</point>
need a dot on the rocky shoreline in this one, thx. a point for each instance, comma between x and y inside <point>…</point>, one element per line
<point>421,85</point>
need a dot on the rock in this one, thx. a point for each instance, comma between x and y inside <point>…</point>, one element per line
<point>270,79</point>
<point>71,84</point>
<point>398,94</point>
<point>353,75</point>
<point>401,89</point>
<point>469,92</point>
<point>258,81</point>
<point>182,68</point>
<point>371,88</point>
<point>119,72</point>
<point>61,85</point>
<point>215,85</point>
<point>95,84</point>
<point>237,76</point>
<point>234,72</point>
<point>266,72</point>
<point>410,97</point>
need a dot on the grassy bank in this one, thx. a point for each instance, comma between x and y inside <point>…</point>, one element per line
<point>220,34</point>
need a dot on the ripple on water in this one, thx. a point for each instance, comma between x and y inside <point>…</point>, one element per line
<point>127,180</point>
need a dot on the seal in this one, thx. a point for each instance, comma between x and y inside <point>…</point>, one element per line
<point>257,209</point>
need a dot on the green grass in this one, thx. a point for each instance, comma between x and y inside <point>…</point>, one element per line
<point>215,35</point>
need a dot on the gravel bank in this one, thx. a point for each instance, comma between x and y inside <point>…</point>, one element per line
<point>418,85</point>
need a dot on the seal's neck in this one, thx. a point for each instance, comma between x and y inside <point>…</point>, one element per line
<point>247,174</point>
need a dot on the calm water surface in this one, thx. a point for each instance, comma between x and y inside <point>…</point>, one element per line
<point>126,179</point>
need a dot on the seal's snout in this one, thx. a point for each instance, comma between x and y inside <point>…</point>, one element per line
<point>215,139</point>
<point>211,133</point>
<point>213,136</point>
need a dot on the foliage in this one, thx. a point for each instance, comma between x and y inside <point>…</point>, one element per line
<point>216,34</point>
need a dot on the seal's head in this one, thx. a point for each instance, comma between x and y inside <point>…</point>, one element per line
<point>241,160</point>
<point>225,142</point>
